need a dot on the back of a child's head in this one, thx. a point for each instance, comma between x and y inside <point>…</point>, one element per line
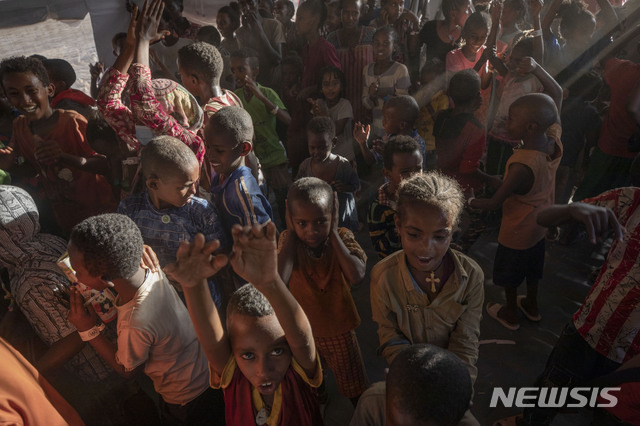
<point>22,64</point>
<point>322,125</point>
<point>400,144</point>
<point>406,109</point>
<point>60,70</point>
<point>111,245</point>
<point>311,190</point>
<point>247,54</point>
<point>100,133</point>
<point>477,21</point>
<point>316,8</point>
<point>163,156</point>
<point>234,122</point>
<point>203,60</point>
<point>248,301</point>
<point>538,108</point>
<point>332,72</point>
<point>209,34</point>
<point>464,87</point>
<point>433,189</point>
<point>428,384</point>
<point>449,6</point>
<point>586,87</point>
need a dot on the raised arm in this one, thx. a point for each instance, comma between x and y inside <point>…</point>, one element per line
<point>551,87</point>
<point>194,264</point>
<point>255,259</point>
<point>538,41</point>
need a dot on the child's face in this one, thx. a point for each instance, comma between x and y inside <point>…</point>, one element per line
<point>312,222</point>
<point>475,38</point>
<point>260,350</point>
<point>391,122</point>
<point>394,9</point>
<point>224,153</point>
<point>225,25</point>
<point>427,77</point>
<point>306,23</point>
<point>319,146</point>
<point>76,258</point>
<point>240,69</point>
<point>281,11</point>
<point>350,14</point>
<point>174,189</point>
<point>382,47</point>
<point>188,82</point>
<point>290,75</point>
<point>405,165</point>
<point>426,233</point>
<point>516,56</point>
<point>517,123</point>
<point>331,86</point>
<point>28,94</point>
<point>334,19</point>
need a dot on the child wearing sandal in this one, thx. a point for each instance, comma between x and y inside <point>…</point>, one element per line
<point>527,188</point>
<point>428,292</point>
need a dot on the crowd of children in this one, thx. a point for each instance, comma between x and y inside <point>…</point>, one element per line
<point>210,181</point>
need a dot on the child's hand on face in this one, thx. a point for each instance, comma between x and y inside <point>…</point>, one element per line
<point>527,65</point>
<point>82,318</point>
<point>195,262</point>
<point>254,255</point>
<point>316,109</point>
<point>47,152</point>
<point>361,133</point>
<point>251,85</point>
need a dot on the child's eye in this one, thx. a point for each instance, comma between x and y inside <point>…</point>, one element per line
<point>277,352</point>
<point>248,356</point>
<point>301,223</point>
<point>412,235</point>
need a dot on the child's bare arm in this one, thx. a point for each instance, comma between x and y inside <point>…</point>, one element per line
<point>125,58</point>
<point>254,258</point>
<point>551,87</point>
<point>281,114</point>
<point>147,29</point>
<point>549,17</point>
<point>287,254</point>
<point>517,178</point>
<point>353,268</point>
<point>538,41</point>
<point>194,264</point>
<point>597,220</point>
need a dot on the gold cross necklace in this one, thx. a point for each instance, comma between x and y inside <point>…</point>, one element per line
<point>431,279</point>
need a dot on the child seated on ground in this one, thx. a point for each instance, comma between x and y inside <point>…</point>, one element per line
<point>265,360</point>
<point>334,169</point>
<point>158,107</point>
<point>62,76</point>
<point>154,331</point>
<point>460,137</point>
<point>167,212</point>
<point>527,188</point>
<point>431,98</point>
<point>428,279</point>
<point>401,160</point>
<point>425,385</point>
<point>399,116</point>
<point>320,261</point>
<point>265,108</point>
<point>53,143</point>
<point>234,190</point>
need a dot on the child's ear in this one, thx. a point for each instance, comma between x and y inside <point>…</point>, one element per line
<point>396,220</point>
<point>245,148</point>
<point>152,182</point>
<point>51,90</point>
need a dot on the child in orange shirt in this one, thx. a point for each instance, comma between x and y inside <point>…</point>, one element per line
<point>319,261</point>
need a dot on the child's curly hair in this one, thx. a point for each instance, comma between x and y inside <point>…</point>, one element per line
<point>203,59</point>
<point>247,300</point>
<point>434,189</point>
<point>24,64</point>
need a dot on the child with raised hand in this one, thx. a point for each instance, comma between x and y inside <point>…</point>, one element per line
<point>265,108</point>
<point>528,187</point>
<point>334,169</point>
<point>401,160</point>
<point>167,212</point>
<point>53,143</point>
<point>513,15</point>
<point>384,78</point>
<point>334,105</point>
<point>319,262</point>
<point>428,292</point>
<point>265,360</point>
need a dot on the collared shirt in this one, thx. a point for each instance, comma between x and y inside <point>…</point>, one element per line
<point>609,318</point>
<point>451,320</point>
